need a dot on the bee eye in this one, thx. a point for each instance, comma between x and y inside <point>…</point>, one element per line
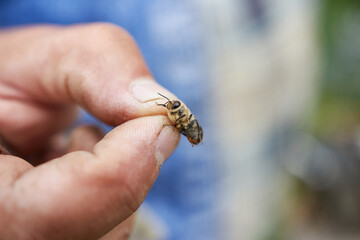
<point>176,104</point>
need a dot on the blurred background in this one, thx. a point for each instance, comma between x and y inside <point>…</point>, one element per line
<point>274,84</point>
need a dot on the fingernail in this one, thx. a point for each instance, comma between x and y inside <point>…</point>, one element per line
<point>166,143</point>
<point>145,89</point>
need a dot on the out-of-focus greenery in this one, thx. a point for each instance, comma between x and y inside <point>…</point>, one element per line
<point>339,35</point>
<point>335,129</point>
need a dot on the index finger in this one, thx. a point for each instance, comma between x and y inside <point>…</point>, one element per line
<point>46,70</point>
<point>97,66</point>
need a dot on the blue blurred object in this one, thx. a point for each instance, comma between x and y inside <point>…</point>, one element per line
<point>170,38</point>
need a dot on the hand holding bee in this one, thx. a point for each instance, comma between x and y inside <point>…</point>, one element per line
<point>93,187</point>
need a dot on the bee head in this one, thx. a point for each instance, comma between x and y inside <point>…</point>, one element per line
<point>173,106</point>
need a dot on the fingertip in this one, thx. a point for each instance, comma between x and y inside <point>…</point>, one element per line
<point>133,153</point>
<point>135,101</point>
<point>146,89</point>
<point>151,136</point>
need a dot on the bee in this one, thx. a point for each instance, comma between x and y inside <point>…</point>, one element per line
<point>180,115</point>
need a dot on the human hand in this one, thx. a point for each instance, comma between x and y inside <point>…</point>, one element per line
<point>91,191</point>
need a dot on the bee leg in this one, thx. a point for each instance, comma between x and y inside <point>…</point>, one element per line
<point>179,118</point>
<point>192,145</point>
<point>159,104</point>
<point>198,127</point>
<point>152,100</point>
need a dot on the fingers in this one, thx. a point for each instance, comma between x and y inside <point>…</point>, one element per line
<point>84,138</point>
<point>90,193</point>
<point>12,167</point>
<point>27,127</point>
<point>45,70</point>
<point>108,76</point>
<point>98,66</point>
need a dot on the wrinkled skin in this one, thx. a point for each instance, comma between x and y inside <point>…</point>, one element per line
<point>86,186</point>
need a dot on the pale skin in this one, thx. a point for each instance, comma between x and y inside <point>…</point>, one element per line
<point>85,187</point>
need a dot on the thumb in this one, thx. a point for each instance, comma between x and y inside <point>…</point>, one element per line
<point>88,194</point>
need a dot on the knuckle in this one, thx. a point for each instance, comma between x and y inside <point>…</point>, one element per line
<point>109,33</point>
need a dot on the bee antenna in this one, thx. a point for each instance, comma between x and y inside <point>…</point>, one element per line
<point>164,96</point>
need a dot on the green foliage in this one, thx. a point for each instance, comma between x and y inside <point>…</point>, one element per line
<point>339,34</point>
